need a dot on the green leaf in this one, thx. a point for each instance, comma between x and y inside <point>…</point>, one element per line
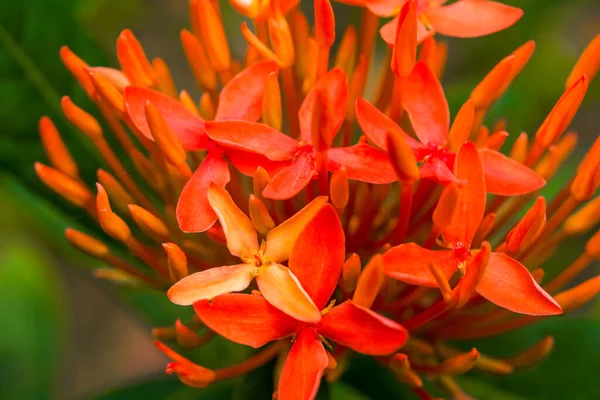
<point>32,320</point>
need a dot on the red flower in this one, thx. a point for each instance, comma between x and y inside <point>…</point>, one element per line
<point>504,281</point>
<point>317,259</point>
<point>426,105</point>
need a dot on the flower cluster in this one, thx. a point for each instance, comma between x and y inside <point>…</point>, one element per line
<point>298,217</point>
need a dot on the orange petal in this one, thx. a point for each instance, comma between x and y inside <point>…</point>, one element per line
<point>528,228</point>
<point>280,287</point>
<point>291,180</point>
<point>588,63</point>
<point>388,31</point>
<point>363,163</point>
<point>461,127</point>
<point>476,267</point>
<point>242,240</point>
<point>506,177</point>
<point>404,53</point>
<point>369,282</point>
<point>410,263</point>
<point>205,285</point>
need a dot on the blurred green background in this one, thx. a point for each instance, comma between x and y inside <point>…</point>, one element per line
<point>65,335</point>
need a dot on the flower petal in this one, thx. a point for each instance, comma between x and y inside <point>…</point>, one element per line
<point>244,318</point>
<point>252,137</point>
<point>205,285</point>
<point>290,181</point>
<point>241,98</point>
<point>194,213</point>
<point>282,289</point>
<point>187,127</point>
<point>426,105</point>
<point>437,171</point>
<point>388,31</point>
<point>242,240</point>
<point>334,100</point>
<point>247,163</point>
<point>376,125</point>
<point>280,240</point>
<point>362,330</point>
<point>318,255</point>
<point>304,366</point>
<point>471,197</point>
<point>472,18</point>
<point>410,263</point>
<point>509,284</point>
<point>506,177</point>
<point>363,163</point>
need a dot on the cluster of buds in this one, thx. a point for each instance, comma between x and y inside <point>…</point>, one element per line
<point>300,218</point>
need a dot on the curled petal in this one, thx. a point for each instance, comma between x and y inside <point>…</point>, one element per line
<point>410,263</point>
<point>362,330</point>
<point>205,285</point>
<point>363,163</point>
<point>282,289</point>
<point>506,177</point>
<point>245,319</point>
<point>318,255</point>
<point>186,126</point>
<point>247,163</point>
<point>194,213</point>
<point>241,98</point>
<point>291,180</point>
<point>509,284</point>
<point>188,372</point>
<point>301,374</point>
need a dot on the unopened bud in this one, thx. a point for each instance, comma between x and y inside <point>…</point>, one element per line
<point>586,180</point>
<point>446,207</point>
<point>115,190</point>
<point>87,244</point>
<point>324,23</point>
<point>462,125</point>
<point>212,34</point>
<point>404,53</point>
<point>584,219</point>
<point>442,282</point>
<point>164,137</point>
<point>346,52</point>
<point>117,78</point>
<point>150,224</point>
<point>588,63</point>
<point>81,119</point>
<point>338,188</point>
<point>271,104</point>
<point>261,219</point>
<point>109,93</point>
<point>493,84</point>
<point>186,100</point>
<point>369,282</point>
<point>350,273</point>
<point>496,140</point>
<point>534,355</point>
<point>571,299</point>
<point>528,228</point>
<point>260,180</point>
<point>186,337</point>
<point>197,59</point>
<point>133,60</point>
<point>110,222</point>
<point>281,37</point>
<point>56,150</point>
<point>177,260</point>
<point>148,170</point>
<point>520,148</point>
<point>164,79</point>
<point>592,247</point>
<point>459,364</point>
<point>475,270</point>
<point>77,67</point>
<point>65,186</point>
<point>402,158</point>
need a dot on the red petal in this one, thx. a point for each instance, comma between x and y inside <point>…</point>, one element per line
<point>291,180</point>
<point>244,318</point>
<point>194,213</point>
<point>425,103</point>
<point>509,284</point>
<point>334,91</point>
<point>363,163</point>
<point>362,330</point>
<point>242,97</point>
<point>304,366</point>
<point>318,255</point>
<point>471,197</point>
<point>506,177</point>
<point>187,127</point>
<point>388,31</point>
<point>376,125</point>
<point>410,263</point>
<point>472,18</point>
<point>437,171</point>
<point>254,138</point>
<point>247,163</point>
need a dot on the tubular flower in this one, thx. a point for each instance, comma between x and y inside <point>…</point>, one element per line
<point>263,206</point>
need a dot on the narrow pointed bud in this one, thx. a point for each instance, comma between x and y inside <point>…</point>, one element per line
<point>261,219</point>
<point>534,355</point>
<point>177,261</point>
<point>462,125</point>
<point>350,273</point>
<point>402,158</point>
<point>528,228</point>
<point>475,270</point>
<point>300,34</point>
<point>189,373</point>
<point>133,60</point>
<point>565,146</point>
<point>538,275</point>
<point>164,333</point>
<point>586,180</point>
<point>212,34</point>
<point>164,138</point>
<point>592,247</point>
<point>338,188</point>
<point>357,87</point>
<point>115,190</point>
<point>271,105</point>
<point>149,223</point>
<point>562,114</point>
<point>442,282</point>
<point>56,150</point>
<point>369,282</point>
<point>446,207</point>
<point>428,52</point>
<point>197,59</point>
<point>588,63</point>
<point>252,9</point>
<point>118,277</point>
<point>548,165</point>
<point>482,136</point>
<point>260,180</point>
<point>65,186</point>
<point>207,107</point>
<point>496,140</point>
<point>493,84</point>
<point>399,362</point>
<point>87,244</point>
<point>188,102</point>
<point>164,78</point>
<point>117,78</point>
<point>520,148</point>
<point>81,119</point>
<point>109,93</point>
<point>257,44</point>
<point>324,23</point>
<point>78,68</point>
<point>281,37</point>
<point>404,53</point>
<point>111,223</point>
<point>522,56</point>
<point>346,53</point>
<point>459,364</point>
<point>572,299</point>
<point>186,337</point>
<point>148,170</point>
<point>584,219</point>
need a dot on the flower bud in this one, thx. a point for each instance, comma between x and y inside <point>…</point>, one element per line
<point>78,69</point>
<point>177,260</point>
<point>350,273</point>
<point>369,282</point>
<point>149,223</point>
<point>588,63</point>
<point>404,53</point>
<point>528,228</point>
<point>197,59</point>
<point>87,244</point>
<point>65,186</point>
<point>56,150</point>
<point>110,222</point>
<point>81,119</point>
<point>133,60</point>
